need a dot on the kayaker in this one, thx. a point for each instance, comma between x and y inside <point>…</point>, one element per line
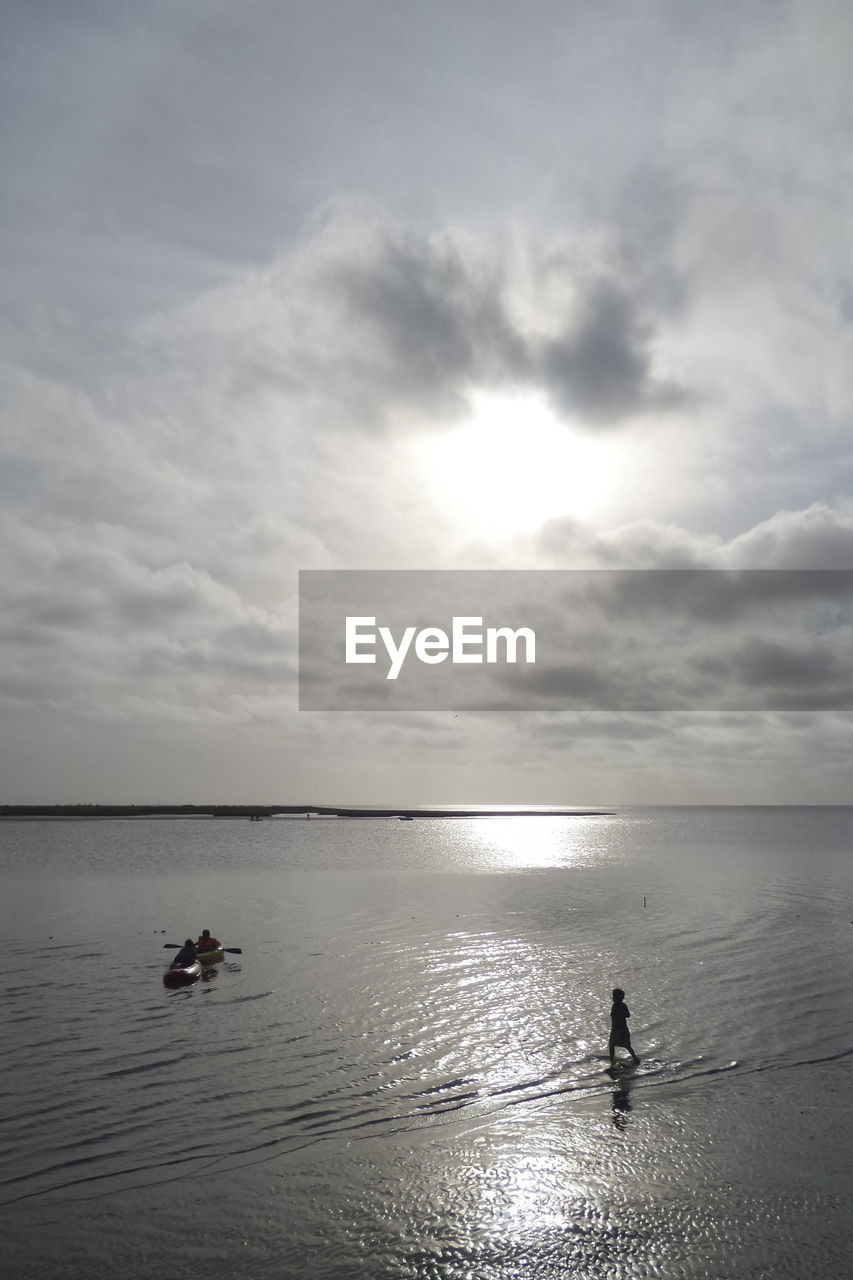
<point>186,955</point>
<point>206,943</point>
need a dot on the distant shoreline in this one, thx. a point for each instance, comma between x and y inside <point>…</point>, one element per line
<point>256,812</point>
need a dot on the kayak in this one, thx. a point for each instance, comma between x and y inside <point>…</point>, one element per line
<point>181,975</point>
<point>211,957</point>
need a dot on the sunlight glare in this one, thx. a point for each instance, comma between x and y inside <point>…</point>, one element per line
<point>509,844</point>
<point>513,465</point>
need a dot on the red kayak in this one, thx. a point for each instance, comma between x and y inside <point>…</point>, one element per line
<point>181,975</point>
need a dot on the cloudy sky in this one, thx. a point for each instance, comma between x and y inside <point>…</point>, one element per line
<point>448,284</point>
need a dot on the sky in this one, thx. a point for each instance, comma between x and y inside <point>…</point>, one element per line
<point>381,285</point>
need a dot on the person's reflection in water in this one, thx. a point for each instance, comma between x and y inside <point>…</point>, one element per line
<point>622,1102</point>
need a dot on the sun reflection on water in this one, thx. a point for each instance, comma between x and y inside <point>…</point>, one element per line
<point>520,843</point>
<point>528,1196</point>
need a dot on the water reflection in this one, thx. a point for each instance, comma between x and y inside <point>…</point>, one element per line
<point>526,1194</point>
<point>621,1097</point>
<point>503,844</point>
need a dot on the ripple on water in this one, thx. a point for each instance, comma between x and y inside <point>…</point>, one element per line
<point>374,1096</point>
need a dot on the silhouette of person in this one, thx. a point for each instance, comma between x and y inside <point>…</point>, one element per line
<point>620,1036</point>
<point>186,955</point>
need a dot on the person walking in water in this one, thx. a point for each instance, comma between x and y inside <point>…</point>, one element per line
<point>620,1036</point>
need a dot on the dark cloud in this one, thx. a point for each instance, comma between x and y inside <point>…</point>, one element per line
<point>600,367</point>
<point>592,684</point>
<point>427,319</point>
<point>718,597</point>
<point>438,323</point>
<point>769,663</point>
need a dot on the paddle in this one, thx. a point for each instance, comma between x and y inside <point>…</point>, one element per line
<point>232,951</point>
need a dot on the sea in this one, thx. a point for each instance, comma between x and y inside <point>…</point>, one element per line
<point>403,1073</point>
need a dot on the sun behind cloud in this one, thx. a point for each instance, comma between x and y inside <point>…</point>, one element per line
<point>513,465</point>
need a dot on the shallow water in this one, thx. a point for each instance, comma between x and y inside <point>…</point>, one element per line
<point>404,1072</point>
